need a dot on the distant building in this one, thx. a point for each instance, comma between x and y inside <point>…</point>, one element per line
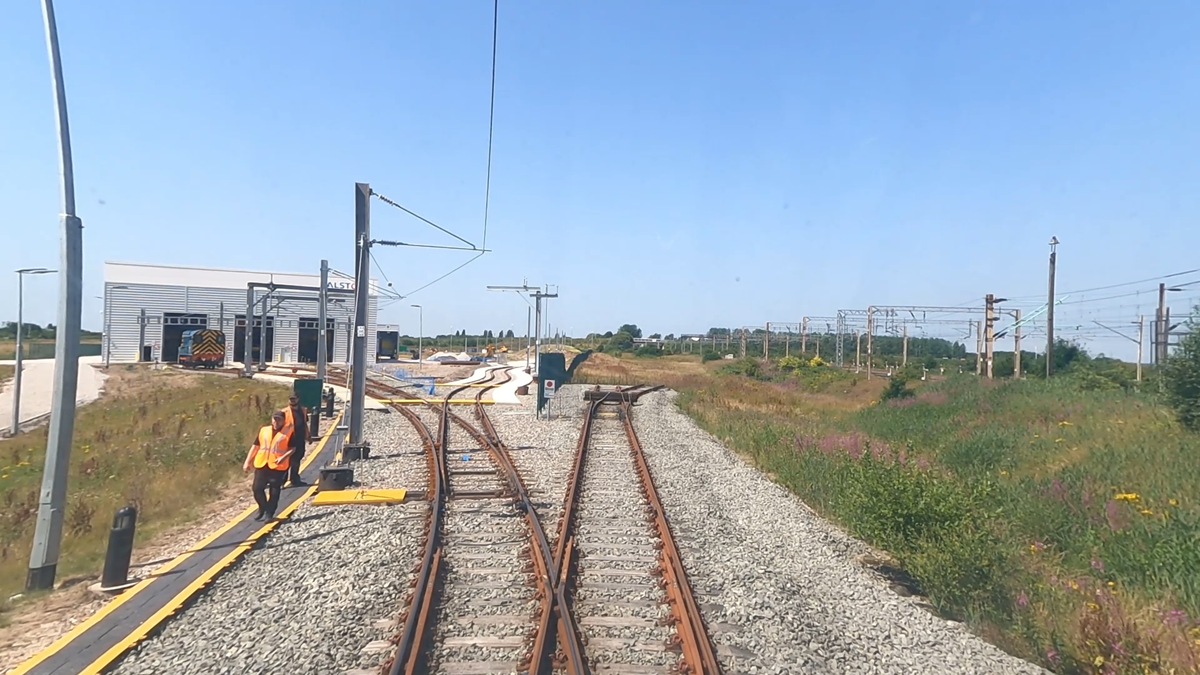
<point>147,308</point>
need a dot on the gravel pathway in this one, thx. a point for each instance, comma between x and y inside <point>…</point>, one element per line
<point>780,588</point>
<point>320,594</point>
<point>543,450</point>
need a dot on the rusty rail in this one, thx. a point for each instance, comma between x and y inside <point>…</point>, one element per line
<point>552,594</point>
<point>699,656</point>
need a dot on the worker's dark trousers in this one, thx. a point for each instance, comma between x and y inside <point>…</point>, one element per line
<point>267,484</point>
<point>294,468</point>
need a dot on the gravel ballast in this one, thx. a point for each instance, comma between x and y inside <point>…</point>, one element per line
<point>319,594</point>
<point>780,586</point>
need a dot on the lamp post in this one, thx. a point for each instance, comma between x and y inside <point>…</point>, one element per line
<point>47,535</point>
<point>420,334</point>
<point>16,407</point>
<point>108,323</point>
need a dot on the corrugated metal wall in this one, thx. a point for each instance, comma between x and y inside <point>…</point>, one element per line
<point>126,301</point>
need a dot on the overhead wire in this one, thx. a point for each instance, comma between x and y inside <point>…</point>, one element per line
<point>487,189</point>
<point>487,186</point>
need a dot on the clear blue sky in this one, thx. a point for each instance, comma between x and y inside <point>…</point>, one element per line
<point>678,165</point>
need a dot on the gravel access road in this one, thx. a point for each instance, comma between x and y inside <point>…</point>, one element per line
<point>781,585</point>
<point>322,592</point>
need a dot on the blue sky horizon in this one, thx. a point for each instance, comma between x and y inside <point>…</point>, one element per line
<point>674,165</point>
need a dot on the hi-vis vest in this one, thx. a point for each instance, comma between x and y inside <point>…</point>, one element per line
<point>289,425</point>
<point>271,447</point>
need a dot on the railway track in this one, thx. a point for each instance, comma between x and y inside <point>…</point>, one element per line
<point>483,602</point>
<point>493,595</point>
<point>617,556</point>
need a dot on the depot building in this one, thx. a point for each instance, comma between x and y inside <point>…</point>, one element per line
<point>148,308</point>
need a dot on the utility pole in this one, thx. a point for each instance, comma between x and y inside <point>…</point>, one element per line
<point>537,322</point>
<point>142,332</point>
<point>858,351</point>
<point>989,340</point>
<point>1141,340</point>
<point>47,537</point>
<point>528,339</point>
<point>904,358</point>
<point>1050,310</point>
<point>787,340</point>
<point>870,332</point>
<point>362,280</point>
<point>249,332</point>
<point>322,320</point>
<point>767,342</point>
<point>421,335</point>
<point>1162,329</point>
<point>804,335</point>
<point>743,352</point>
<point>1017,346</point>
<point>978,348</point>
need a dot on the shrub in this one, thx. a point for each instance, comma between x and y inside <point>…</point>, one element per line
<point>747,366</point>
<point>897,388</point>
<point>1181,377</point>
<point>647,350</point>
<point>791,363</point>
<point>710,356</point>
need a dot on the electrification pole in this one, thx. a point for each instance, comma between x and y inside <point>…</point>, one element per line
<point>1017,346</point>
<point>362,281</point>
<point>989,328</point>
<point>870,331</point>
<point>420,334</point>
<point>322,320</point>
<point>1141,340</point>
<point>1050,310</point>
<point>47,537</point>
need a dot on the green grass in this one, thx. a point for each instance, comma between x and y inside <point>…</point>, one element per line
<point>163,441</point>
<point>6,372</point>
<point>1061,521</point>
<point>8,348</point>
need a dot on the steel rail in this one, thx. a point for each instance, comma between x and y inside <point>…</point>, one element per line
<point>699,656</point>
<point>411,651</point>
<point>554,605</point>
<point>551,576</point>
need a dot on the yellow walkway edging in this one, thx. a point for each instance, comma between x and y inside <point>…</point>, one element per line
<point>139,633</point>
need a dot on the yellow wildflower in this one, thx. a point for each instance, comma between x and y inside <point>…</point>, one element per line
<point>1065,423</point>
<point>1173,502</point>
<point>1147,512</point>
<point>1073,584</point>
<point>1037,435</point>
<point>4,475</point>
<point>1059,440</point>
<point>1127,497</point>
<point>1111,585</point>
<point>1098,661</point>
<point>1003,472</point>
<point>1093,606</point>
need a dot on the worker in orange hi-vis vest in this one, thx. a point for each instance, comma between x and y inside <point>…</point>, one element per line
<point>270,458</point>
<point>295,426</point>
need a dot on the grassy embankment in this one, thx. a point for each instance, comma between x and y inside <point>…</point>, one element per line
<point>6,372</point>
<point>164,441</point>
<point>1061,523</point>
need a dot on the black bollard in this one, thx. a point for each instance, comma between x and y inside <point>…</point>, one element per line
<point>329,403</point>
<point>120,549</point>
<point>314,424</point>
